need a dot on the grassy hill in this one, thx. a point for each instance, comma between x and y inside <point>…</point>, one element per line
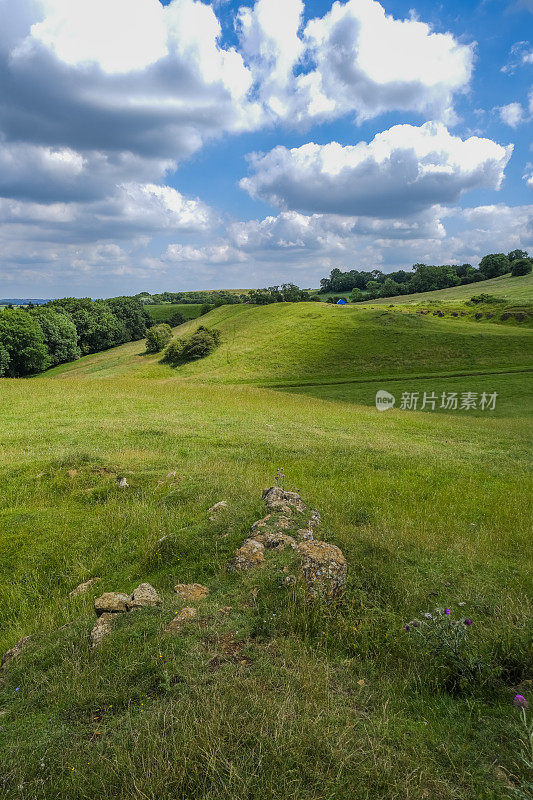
<point>518,289</point>
<point>311,343</point>
<point>266,694</point>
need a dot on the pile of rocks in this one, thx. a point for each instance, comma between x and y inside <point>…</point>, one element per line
<point>108,605</point>
<point>322,565</point>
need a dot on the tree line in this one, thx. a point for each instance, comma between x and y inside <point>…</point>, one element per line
<point>34,338</point>
<point>423,277</point>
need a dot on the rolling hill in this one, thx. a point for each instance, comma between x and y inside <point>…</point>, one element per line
<point>266,693</point>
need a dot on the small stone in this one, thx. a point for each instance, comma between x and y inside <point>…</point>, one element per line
<point>323,567</point>
<point>217,507</point>
<point>261,523</point>
<point>305,534</point>
<point>191,592</point>
<point>111,603</point>
<point>82,587</point>
<point>277,499</point>
<point>123,483</point>
<point>15,651</point>
<point>143,595</point>
<point>102,627</point>
<point>250,555</point>
<point>175,625</point>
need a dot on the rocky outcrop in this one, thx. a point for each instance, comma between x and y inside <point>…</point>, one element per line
<point>15,651</point>
<point>323,568</point>
<point>83,587</point>
<point>143,595</point>
<point>250,555</point>
<point>191,592</point>
<point>275,540</point>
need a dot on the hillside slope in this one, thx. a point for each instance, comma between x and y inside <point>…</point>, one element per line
<point>313,343</point>
<point>519,290</point>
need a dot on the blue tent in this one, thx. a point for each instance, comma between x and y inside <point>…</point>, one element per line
<point>341,302</point>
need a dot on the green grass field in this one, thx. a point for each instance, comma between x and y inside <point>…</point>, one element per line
<point>163,312</point>
<point>311,701</point>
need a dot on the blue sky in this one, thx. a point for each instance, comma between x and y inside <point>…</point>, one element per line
<point>384,134</point>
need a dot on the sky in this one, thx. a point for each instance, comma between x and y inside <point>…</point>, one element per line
<point>178,145</point>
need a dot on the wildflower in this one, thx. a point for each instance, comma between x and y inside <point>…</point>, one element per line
<point>406,628</point>
<point>447,611</point>
<point>427,615</point>
<point>415,623</point>
<point>462,603</point>
<point>520,701</point>
<point>467,622</point>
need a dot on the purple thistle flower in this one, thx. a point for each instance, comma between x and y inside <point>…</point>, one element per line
<point>406,628</point>
<point>415,623</point>
<point>520,701</point>
<point>467,622</point>
<point>447,611</point>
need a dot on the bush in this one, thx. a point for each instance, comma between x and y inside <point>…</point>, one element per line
<point>191,348</point>
<point>176,318</point>
<point>486,298</point>
<point>157,337</point>
<point>521,266</point>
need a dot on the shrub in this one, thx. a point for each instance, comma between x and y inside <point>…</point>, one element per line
<point>176,318</point>
<point>486,298</point>
<point>157,337</point>
<point>191,348</point>
<point>521,266</point>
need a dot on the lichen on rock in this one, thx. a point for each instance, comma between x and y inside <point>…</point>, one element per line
<point>111,603</point>
<point>143,595</point>
<point>191,592</point>
<point>323,568</point>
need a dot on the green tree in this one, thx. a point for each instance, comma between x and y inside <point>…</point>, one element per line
<point>176,318</point>
<point>4,360</point>
<point>514,255</point>
<point>157,337</point>
<point>132,313</point>
<point>390,288</point>
<point>356,295</point>
<point>521,266</point>
<point>23,340</point>
<point>60,334</point>
<point>494,264</point>
<point>428,278</point>
<point>97,327</point>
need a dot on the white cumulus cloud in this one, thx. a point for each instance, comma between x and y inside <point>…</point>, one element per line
<point>401,171</point>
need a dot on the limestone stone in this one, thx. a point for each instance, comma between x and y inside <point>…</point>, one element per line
<point>143,595</point>
<point>83,587</point>
<point>111,603</point>
<point>15,651</point>
<point>250,555</point>
<point>323,568</point>
<point>191,592</point>
<point>175,625</point>
<point>102,627</point>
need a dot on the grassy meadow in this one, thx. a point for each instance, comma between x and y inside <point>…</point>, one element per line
<point>267,694</point>
<point>163,312</point>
